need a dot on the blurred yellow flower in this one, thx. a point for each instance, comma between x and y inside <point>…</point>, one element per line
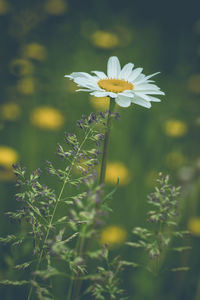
<point>105,39</point>
<point>194,226</point>
<point>26,86</point>
<point>8,156</point>
<point>175,159</point>
<point>194,83</point>
<point>10,111</point>
<point>35,51</point>
<point>4,7</point>
<point>115,170</point>
<point>47,118</point>
<point>100,103</point>
<point>113,235</point>
<point>175,128</point>
<point>55,7</point>
<point>21,67</point>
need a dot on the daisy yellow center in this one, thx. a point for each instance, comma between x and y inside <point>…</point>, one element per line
<point>115,85</point>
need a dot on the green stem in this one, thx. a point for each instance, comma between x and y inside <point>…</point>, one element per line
<point>78,283</point>
<point>70,290</point>
<point>55,208</point>
<point>106,142</point>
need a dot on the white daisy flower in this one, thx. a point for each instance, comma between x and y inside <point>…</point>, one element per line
<point>126,85</point>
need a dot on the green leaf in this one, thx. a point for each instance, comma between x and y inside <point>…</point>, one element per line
<point>128,263</point>
<point>49,272</point>
<point>9,282</point>
<point>23,266</point>
<point>135,245</point>
<point>8,239</point>
<point>61,220</point>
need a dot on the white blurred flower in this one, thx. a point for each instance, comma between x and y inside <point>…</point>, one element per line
<point>126,85</point>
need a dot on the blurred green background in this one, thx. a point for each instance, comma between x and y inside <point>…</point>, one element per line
<point>41,41</point>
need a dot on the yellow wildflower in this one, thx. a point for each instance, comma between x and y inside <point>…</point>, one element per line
<point>8,156</point>
<point>100,103</point>
<point>194,226</point>
<point>175,159</point>
<point>21,67</point>
<point>115,170</point>
<point>47,118</point>
<point>55,7</point>
<point>175,128</point>
<point>105,39</point>
<point>10,111</point>
<point>194,84</point>
<point>26,86</point>
<point>113,235</point>
<point>35,51</point>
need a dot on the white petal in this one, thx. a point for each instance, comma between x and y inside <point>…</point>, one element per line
<point>153,99</point>
<point>146,86</point>
<point>99,94</point>
<point>123,101</point>
<point>84,90</point>
<point>140,80</point>
<point>149,76</point>
<point>142,95</point>
<point>112,95</point>
<point>101,75</point>
<point>127,93</point>
<point>79,74</point>
<point>135,74</point>
<point>113,67</point>
<point>126,71</point>
<point>83,82</point>
<point>152,92</point>
<point>141,102</point>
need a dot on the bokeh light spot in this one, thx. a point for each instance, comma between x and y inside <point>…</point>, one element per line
<point>194,84</point>
<point>105,39</point>
<point>4,7</point>
<point>10,111</point>
<point>46,117</point>
<point>175,128</point>
<point>35,51</point>
<point>194,226</point>
<point>21,67</point>
<point>26,86</point>
<point>8,156</point>
<point>113,235</point>
<point>55,7</point>
<point>115,170</point>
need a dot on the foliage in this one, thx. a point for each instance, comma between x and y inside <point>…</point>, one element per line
<point>164,218</point>
<point>65,238</point>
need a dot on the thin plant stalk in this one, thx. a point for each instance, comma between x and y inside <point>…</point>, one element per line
<point>55,208</point>
<point>106,142</point>
<point>101,180</point>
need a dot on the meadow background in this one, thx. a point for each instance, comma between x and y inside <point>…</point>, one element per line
<point>41,41</point>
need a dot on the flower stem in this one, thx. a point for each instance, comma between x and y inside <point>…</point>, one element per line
<point>106,142</point>
<point>55,208</point>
